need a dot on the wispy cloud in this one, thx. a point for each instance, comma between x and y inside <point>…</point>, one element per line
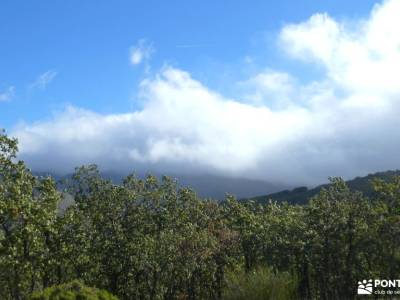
<point>43,80</point>
<point>141,52</point>
<point>7,95</point>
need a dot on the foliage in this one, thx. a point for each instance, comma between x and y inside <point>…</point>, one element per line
<point>71,291</point>
<point>149,239</point>
<point>28,219</point>
<point>260,284</point>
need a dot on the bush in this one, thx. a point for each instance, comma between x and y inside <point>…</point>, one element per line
<point>260,284</point>
<point>74,290</point>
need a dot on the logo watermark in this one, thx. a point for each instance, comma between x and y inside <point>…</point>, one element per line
<point>365,287</point>
<point>378,287</point>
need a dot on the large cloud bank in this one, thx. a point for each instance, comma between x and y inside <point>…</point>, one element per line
<point>345,123</point>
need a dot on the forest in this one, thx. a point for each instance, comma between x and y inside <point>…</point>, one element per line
<point>150,239</point>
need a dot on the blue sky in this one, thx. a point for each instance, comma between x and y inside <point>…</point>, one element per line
<point>87,44</point>
<point>288,91</point>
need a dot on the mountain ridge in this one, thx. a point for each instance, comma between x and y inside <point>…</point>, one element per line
<point>301,195</point>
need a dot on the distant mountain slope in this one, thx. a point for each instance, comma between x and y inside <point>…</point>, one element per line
<point>206,186</point>
<point>301,195</point>
<point>216,187</point>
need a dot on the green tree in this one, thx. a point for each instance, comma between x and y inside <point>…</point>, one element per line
<point>387,227</point>
<point>336,238</point>
<point>28,212</point>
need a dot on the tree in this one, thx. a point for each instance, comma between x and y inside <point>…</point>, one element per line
<point>337,232</point>
<point>28,211</point>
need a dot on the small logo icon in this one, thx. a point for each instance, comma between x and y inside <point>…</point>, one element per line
<point>364,287</point>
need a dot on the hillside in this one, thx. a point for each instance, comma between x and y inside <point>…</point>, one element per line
<point>301,195</point>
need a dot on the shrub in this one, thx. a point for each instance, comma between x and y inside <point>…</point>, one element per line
<point>260,284</point>
<point>74,290</point>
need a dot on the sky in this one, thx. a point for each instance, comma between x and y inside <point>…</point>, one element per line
<point>288,91</point>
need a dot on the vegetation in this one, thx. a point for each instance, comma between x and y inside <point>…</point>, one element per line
<point>147,239</point>
<point>71,291</point>
<point>260,284</point>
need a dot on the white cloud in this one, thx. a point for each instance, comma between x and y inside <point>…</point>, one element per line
<point>43,80</point>
<point>183,126</point>
<point>361,59</point>
<point>7,95</point>
<point>141,52</point>
<point>346,123</point>
<point>272,88</point>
